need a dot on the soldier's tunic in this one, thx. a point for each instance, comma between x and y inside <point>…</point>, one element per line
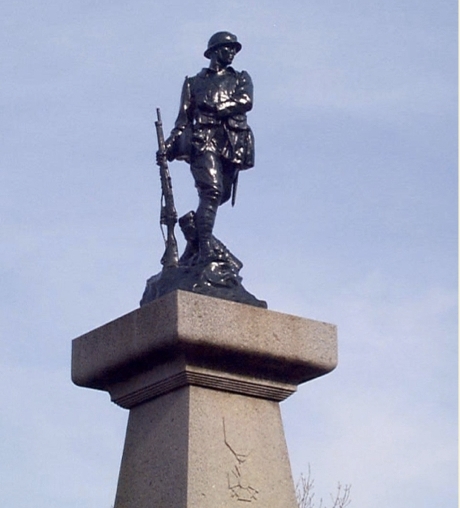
<point>211,130</point>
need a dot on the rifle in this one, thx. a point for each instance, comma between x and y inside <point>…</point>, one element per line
<point>168,215</point>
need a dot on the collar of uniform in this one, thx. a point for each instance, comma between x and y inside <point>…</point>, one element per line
<point>207,71</point>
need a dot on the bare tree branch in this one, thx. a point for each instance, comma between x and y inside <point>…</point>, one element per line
<point>306,496</point>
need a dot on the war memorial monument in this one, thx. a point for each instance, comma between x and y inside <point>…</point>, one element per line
<point>202,364</point>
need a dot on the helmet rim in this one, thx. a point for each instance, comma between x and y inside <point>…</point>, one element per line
<point>222,39</point>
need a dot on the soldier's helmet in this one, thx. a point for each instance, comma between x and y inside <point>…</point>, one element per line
<point>221,39</point>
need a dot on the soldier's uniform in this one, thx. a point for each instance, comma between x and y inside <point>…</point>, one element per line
<point>212,134</point>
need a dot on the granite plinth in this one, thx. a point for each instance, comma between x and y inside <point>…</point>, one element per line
<point>202,378</point>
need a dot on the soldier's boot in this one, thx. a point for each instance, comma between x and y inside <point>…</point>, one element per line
<point>188,227</point>
<point>204,220</point>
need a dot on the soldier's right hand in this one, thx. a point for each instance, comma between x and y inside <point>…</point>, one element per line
<point>160,158</point>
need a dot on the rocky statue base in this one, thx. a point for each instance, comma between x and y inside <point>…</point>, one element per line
<point>217,276</point>
<point>203,378</point>
<point>215,279</point>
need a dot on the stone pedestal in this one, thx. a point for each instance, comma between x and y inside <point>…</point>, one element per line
<point>203,378</point>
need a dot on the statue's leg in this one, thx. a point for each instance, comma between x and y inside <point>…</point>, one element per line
<point>207,172</point>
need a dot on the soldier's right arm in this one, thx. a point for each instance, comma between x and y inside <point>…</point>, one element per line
<point>184,119</point>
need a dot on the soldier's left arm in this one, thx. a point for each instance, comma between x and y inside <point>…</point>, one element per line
<point>241,100</point>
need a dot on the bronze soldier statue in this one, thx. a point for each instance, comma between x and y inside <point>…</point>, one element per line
<point>212,134</point>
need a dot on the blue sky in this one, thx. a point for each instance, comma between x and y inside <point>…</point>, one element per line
<point>349,217</point>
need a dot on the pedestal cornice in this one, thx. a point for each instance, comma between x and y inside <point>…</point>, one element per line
<point>184,338</point>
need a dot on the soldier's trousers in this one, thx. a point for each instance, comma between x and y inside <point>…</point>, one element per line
<point>214,177</point>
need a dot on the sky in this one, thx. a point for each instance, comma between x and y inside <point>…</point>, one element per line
<point>349,217</point>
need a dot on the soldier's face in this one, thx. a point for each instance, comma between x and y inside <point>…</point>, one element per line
<point>225,54</point>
